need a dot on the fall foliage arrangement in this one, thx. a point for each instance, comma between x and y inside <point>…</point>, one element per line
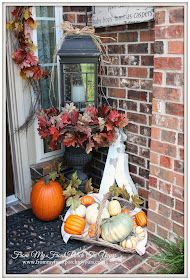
<point>22,24</point>
<point>91,129</point>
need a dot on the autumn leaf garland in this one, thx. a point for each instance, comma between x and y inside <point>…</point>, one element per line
<point>91,129</point>
<point>24,57</point>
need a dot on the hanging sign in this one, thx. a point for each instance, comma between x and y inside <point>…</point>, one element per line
<point>118,15</point>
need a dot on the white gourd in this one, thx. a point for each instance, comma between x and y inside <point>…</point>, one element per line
<point>114,208</point>
<point>85,233</point>
<point>129,243</point>
<point>140,233</point>
<point>92,213</point>
<point>80,211</point>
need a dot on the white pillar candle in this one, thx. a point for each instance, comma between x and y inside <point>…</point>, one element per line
<point>78,93</point>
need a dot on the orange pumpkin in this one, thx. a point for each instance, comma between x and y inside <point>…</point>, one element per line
<point>74,224</point>
<point>141,219</point>
<point>134,223</point>
<point>87,200</point>
<point>47,199</point>
<point>124,210</point>
<point>91,230</point>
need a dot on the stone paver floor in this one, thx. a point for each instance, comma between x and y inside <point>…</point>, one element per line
<point>92,259</point>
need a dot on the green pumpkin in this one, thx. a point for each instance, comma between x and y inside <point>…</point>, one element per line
<point>117,228</point>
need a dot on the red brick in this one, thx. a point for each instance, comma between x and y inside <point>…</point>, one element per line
<point>114,71</point>
<point>131,148</point>
<point>128,105</point>
<point>165,187</point>
<point>162,173</point>
<point>164,211</point>
<point>116,92</point>
<point>159,47</point>
<point>142,269</point>
<point>176,15</point>
<point>174,79</point>
<point>179,229</point>
<point>152,48</point>
<point>150,226</point>
<point>169,32</point>
<point>168,63</point>
<point>128,37</point>
<point>146,36</point>
<point>182,125</point>
<point>177,217</point>
<point>165,121</point>
<point>152,204</point>
<point>155,132</point>
<point>137,95</point>
<point>179,166</point>
<point>162,198</point>
<point>107,37</point>
<point>53,270</point>
<point>146,131</point>
<point>154,158</point>
<point>156,105</point>
<point>175,109</point>
<point>143,193</point>
<point>69,17</point>
<point>166,162</point>
<point>147,60</point>
<point>116,49</point>
<point>179,180</point>
<point>144,152</point>
<point>97,270</point>
<point>138,180</point>
<point>162,232</point>
<point>146,108</point>
<point>137,118</point>
<point>130,83</point>
<point>179,205</point>
<point>137,72</point>
<point>163,148</point>
<point>157,78</point>
<point>168,136</point>
<point>116,28</point>
<point>112,82</point>
<point>176,47</point>
<point>146,84</point>
<point>159,17</point>
<point>178,192</point>
<point>181,139</point>
<point>138,48</point>
<point>166,223</point>
<point>181,154</point>
<point>114,59</point>
<point>133,128</point>
<point>163,93</point>
<point>137,160</point>
<point>81,18</point>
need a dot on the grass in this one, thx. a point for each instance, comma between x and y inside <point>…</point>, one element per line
<point>171,255</point>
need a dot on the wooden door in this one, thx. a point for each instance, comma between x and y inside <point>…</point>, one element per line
<point>9,169</point>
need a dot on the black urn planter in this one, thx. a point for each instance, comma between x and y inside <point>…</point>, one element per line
<point>78,158</point>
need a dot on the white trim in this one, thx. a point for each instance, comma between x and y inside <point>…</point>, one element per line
<point>45,18</point>
<point>11,200</point>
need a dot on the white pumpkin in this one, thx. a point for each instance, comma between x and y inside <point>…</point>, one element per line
<point>80,211</point>
<point>92,213</point>
<point>114,207</point>
<point>129,243</point>
<point>140,233</point>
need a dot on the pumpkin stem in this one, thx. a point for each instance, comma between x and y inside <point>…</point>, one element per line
<point>47,180</point>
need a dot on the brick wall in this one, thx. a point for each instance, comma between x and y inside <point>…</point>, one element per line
<point>78,15</point>
<point>166,203</point>
<point>127,84</point>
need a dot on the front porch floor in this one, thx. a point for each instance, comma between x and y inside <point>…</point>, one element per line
<point>86,264</point>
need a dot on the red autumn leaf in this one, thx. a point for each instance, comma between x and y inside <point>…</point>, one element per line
<point>69,140</point>
<point>55,132</point>
<point>17,12</point>
<point>44,132</point>
<point>109,125</point>
<point>26,73</point>
<point>113,115</point>
<point>74,116</point>
<point>18,56</point>
<point>111,136</point>
<point>89,146</point>
<point>104,109</point>
<point>37,72</point>
<point>43,121</point>
<point>122,121</point>
<point>27,30</point>
<point>93,111</point>
<point>32,59</point>
<point>65,119</point>
<point>53,145</point>
<point>83,129</point>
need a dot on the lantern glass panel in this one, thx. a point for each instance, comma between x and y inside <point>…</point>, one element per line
<point>79,84</point>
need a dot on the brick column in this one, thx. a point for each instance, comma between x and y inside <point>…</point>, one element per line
<point>166,194</point>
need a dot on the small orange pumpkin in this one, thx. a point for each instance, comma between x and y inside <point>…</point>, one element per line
<point>91,230</point>
<point>47,199</point>
<point>74,224</point>
<point>87,200</point>
<point>124,210</point>
<point>141,219</point>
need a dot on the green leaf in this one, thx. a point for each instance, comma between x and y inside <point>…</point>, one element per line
<point>53,175</point>
<point>116,190</point>
<point>88,186</point>
<point>126,194</point>
<point>69,191</point>
<point>73,201</point>
<point>136,201</point>
<point>75,181</point>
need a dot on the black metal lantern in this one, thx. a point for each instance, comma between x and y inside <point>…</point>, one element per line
<point>78,58</point>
